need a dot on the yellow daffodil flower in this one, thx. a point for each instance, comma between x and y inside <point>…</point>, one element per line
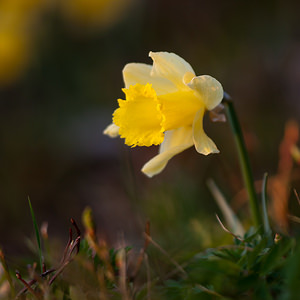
<point>165,104</point>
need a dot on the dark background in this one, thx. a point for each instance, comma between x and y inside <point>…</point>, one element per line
<point>60,78</point>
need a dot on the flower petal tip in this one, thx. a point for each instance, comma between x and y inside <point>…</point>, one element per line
<point>209,88</point>
<point>147,174</point>
<point>209,149</point>
<point>206,153</point>
<point>149,171</point>
<point>111,130</point>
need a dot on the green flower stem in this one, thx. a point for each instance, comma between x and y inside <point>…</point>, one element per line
<point>244,160</point>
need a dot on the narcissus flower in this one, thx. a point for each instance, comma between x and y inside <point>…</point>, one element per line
<point>165,104</point>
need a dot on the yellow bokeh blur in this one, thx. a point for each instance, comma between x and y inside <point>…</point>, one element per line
<point>20,20</point>
<point>17,18</point>
<point>93,13</point>
<point>14,54</point>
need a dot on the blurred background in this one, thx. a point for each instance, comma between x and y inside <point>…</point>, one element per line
<point>60,78</point>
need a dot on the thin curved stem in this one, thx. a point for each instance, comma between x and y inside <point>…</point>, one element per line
<point>243,159</point>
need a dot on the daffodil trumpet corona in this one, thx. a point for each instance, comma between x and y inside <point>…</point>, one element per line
<point>164,105</point>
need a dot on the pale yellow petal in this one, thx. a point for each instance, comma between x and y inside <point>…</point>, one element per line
<point>179,108</point>
<point>111,130</point>
<point>170,66</point>
<point>209,89</point>
<point>134,73</point>
<point>139,117</point>
<point>203,143</point>
<point>175,142</point>
<point>187,77</point>
<point>177,137</point>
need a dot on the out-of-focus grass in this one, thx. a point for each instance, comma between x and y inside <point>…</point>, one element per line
<point>248,267</point>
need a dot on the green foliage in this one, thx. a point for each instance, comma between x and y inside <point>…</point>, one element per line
<point>248,269</point>
<point>251,267</point>
<point>256,266</point>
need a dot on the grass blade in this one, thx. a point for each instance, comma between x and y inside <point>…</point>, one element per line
<point>267,227</point>
<point>231,219</point>
<point>37,234</point>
